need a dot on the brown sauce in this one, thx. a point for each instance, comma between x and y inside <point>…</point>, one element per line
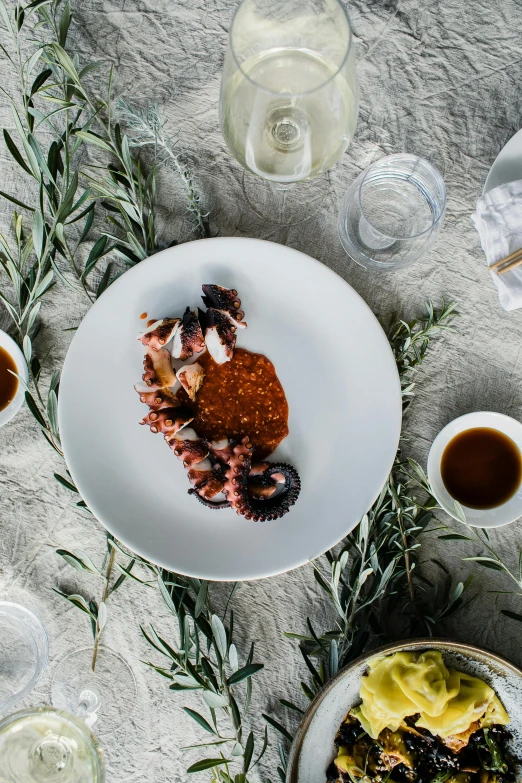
<point>481,468</point>
<point>8,382</point>
<point>143,316</point>
<point>241,397</point>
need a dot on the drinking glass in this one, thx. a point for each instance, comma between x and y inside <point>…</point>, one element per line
<point>46,745</point>
<point>289,99</point>
<point>393,212</point>
<point>55,744</point>
<point>24,651</point>
<point>104,694</point>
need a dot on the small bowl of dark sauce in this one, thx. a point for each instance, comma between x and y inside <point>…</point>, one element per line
<point>476,461</point>
<point>12,364</point>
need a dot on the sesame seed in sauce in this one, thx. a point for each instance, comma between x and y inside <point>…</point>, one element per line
<point>240,398</point>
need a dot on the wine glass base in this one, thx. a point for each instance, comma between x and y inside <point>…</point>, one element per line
<point>105,697</point>
<point>286,205</point>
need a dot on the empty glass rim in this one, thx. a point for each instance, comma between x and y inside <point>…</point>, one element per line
<point>41,653</point>
<point>304,92</point>
<point>405,156</point>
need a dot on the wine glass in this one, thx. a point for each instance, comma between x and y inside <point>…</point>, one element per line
<point>46,745</point>
<point>289,101</point>
<point>55,744</point>
<point>104,694</point>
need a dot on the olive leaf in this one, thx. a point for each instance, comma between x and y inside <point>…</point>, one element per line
<point>204,764</point>
<point>220,636</point>
<point>244,673</point>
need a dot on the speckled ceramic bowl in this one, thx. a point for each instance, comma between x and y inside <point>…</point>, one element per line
<point>313,746</point>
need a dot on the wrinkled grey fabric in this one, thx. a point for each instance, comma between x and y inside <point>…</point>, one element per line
<point>441,79</point>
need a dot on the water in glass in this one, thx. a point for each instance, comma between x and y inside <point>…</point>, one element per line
<point>393,212</point>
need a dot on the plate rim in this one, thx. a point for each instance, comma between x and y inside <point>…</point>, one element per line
<point>146,263</point>
<point>428,641</point>
<point>487,187</point>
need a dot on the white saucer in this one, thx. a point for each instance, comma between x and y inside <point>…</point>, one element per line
<point>507,166</point>
<point>491,517</point>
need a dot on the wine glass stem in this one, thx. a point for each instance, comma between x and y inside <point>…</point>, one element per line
<point>88,705</point>
<point>280,189</point>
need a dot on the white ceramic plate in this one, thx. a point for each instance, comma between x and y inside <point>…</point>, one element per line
<point>9,345</point>
<point>507,166</point>
<point>313,747</point>
<point>491,517</point>
<point>338,373</point>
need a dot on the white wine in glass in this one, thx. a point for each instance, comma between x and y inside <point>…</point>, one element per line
<point>45,745</point>
<point>289,97</point>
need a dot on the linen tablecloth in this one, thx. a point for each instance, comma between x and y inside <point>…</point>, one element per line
<point>441,79</point>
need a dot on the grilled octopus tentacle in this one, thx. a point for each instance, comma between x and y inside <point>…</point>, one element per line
<point>207,478</point>
<point>161,398</point>
<point>159,333</point>
<point>259,508</point>
<point>215,504</point>
<point>168,420</point>
<point>158,372</point>
<point>189,338</point>
<point>226,300</point>
<point>215,482</point>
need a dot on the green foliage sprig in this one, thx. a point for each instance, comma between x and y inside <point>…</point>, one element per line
<point>491,561</point>
<point>146,130</point>
<point>202,657</point>
<point>97,611</point>
<point>55,103</point>
<point>30,276</point>
<point>206,660</point>
<point>375,574</point>
<point>53,106</point>
<point>410,342</point>
<point>55,117</point>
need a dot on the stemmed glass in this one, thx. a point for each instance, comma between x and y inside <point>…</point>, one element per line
<point>55,744</point>
<point>46,745</point>
<point>289,100</point>
<point>105,694</point>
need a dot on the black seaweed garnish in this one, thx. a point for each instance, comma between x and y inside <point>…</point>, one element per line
<point>425,757</point>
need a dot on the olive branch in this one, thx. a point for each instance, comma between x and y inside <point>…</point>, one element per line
<point>56,117</point>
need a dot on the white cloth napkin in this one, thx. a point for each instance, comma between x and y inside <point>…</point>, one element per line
<point>498,220</point>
